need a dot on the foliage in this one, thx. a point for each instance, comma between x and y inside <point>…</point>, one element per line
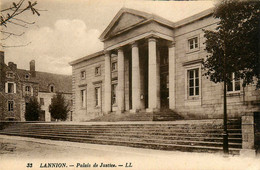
<point>237,39</point>
<point>59,107</point>
<point>32,110</point>
<point>12,15</point>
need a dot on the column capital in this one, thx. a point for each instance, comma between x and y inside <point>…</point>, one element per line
<point>171,44</point>
<point>119,49</point>
<point>107,52</point>
<point>134,44</point>
<point>152,39</point>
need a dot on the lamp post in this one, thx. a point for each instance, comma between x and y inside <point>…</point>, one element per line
<point>225,132</point>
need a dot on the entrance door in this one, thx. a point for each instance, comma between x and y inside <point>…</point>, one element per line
<point>164,90</point>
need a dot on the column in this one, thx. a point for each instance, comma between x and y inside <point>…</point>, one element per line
<point>107,107</point>
<point>121,81</point>
<point>172,74</point>
<point>135,78</point>
<point>153,77</point>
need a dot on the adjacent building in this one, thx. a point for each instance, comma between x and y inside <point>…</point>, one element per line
<point>18,86</point>
<point>150,63</point>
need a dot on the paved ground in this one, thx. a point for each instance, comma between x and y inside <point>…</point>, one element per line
<point>17,152</point>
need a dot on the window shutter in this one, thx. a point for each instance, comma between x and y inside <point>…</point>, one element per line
<point>6,87</point>
<point>31,91</point>
<point>14,88</point>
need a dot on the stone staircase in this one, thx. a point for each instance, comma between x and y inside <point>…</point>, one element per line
<point>183,135</point>
<point>166,115</point>
<point>162,115</point>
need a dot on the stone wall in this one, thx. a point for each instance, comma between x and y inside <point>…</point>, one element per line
<point>209,103</point>
<point>89,83</point>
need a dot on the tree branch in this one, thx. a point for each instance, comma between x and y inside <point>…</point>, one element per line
<point>11,46</point>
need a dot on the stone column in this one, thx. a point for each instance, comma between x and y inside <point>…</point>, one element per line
<point>172,74</point>
<point>248,137</point>
<point>135,79</point>
<point>121,81</point>
<point>153,77</point>
<point>107,107</point>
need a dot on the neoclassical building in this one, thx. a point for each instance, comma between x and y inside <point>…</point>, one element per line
<point>150,63</point>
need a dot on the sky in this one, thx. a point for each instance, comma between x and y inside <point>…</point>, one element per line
<point>69,29</point>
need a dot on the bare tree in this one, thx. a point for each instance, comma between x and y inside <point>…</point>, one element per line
<point>10,16</point>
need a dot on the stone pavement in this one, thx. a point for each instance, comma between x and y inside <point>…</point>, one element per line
<point>17,152</point>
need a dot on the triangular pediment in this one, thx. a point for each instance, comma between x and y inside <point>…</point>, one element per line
<point>127,20</point>
<point>124,20</point>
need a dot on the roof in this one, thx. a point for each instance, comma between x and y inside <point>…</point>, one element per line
<point>145,15</point>
<point>99,53</point>
<point>194,17</point>
<point>62,83</point>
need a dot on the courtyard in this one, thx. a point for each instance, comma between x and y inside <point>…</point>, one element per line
<point>30,153</point>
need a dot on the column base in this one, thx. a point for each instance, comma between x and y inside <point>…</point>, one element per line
<point>106,112</point>
<point>134,111</point>
<point>247,152</point>
<point>118,112</point>
<point>151,110</point>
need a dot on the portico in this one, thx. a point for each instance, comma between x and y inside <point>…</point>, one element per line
<point>139,41</point>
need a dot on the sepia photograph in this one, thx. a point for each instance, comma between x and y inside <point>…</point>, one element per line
<point>130,84</point>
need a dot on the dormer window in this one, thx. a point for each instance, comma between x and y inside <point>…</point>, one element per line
<point>10,75</point>
<point>52,88</point>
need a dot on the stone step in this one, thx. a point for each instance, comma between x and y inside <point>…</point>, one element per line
<point>139,139</point>
<point>152,145</point>
<point>193,135</point>
<point>148,126</point>
<point>136,130</point>
<point>133,135</point>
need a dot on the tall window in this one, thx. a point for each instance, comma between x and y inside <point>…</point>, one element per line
<point>10,87</point>
<point>114,66</point>
<point>83,75</point>
<point>83,98</point>
<point>193,82</point>
<point>27,90</point>
<point>10,105</point>
<point>98,96</point>
<point>193,43</point>
<point>41,101</point>
<point>234,84</point>
<point>97,71</point>
<point>114,89</point>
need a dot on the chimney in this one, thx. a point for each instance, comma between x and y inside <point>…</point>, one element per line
<point>2,59</point>
<point>12,66</point>
<point>2,73</point>
<point>32,68</point>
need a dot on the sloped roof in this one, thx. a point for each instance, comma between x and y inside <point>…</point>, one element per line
<point>99,53</point>
<point>62,83</point>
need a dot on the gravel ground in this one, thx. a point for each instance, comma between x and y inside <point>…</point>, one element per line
<point>19,152</point>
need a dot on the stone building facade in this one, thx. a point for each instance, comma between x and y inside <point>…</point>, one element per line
<point>150,63</point>
<point>18,86</point>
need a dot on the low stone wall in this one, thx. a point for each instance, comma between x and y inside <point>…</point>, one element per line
<point>5,124</point>
<point>257,131</point>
